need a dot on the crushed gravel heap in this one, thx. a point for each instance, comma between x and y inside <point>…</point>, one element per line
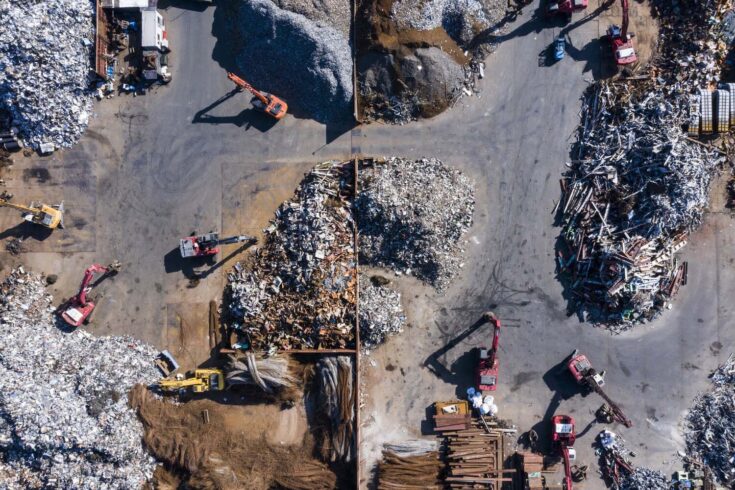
<point>381,311</point>
<point>45,53</point>
<point>645,479</point>
<point>312,60</point>
<point>710,433</point>
<point>412,216</point>
<point>64,415</point>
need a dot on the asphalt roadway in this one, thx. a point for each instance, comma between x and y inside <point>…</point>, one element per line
<point>191,156</point>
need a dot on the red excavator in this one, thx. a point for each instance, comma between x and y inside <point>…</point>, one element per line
<point>486,373</point>
<point>78,309</point>
<point>207,244</point>
<point>262,101</point>
<point>565,7</point>
<point>621,41</point>
<point>583,372</point>
<point>562,441</point>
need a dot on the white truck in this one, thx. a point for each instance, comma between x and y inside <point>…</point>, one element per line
<point>154,44</point>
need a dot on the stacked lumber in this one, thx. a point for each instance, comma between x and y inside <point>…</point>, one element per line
<point>475,459</point>
<point>532,465</point>
<point>409,472</point>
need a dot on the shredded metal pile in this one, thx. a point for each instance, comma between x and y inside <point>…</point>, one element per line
<point>710,431</point>
<point>638,185</point>
<point>381,312</point>
<point>313,60</point>
<point>64,415</point>
<point>645,479</point>
<point>45,50</point>
<point>412,216</point>
<point>299,293</point>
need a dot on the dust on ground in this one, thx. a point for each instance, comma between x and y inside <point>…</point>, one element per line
<point>227,444</point>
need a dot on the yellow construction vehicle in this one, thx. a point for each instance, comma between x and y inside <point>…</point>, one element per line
<point>200,381</point>
<point>49,216</point>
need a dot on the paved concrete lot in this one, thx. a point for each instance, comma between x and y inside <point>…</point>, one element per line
<point>152,169</point>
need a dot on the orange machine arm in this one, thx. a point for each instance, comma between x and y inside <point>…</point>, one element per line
<point>624,30</point>
<point>242,83</point>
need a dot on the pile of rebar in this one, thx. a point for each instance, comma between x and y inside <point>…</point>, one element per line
<point>335,401</point>
<point>406,472</point>
<point>474,457</point>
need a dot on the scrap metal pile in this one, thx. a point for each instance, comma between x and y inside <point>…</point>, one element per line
<point>64,415</point>
<point>710,433</point>
<point>381,312</point>
<point>299,292</point>
<point>645,479</point>
<point>268,373</point>
<point>334,394</point>
<point>637,186</point>
<point>615,467</point>
<point>414,469</point>
<point>412,217</point>
<point>45,50</point>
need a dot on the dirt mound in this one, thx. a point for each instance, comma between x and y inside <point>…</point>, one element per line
<point>213,451</point>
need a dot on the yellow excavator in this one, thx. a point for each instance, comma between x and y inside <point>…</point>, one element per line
<point>202,380</point>
<point>41,214</point>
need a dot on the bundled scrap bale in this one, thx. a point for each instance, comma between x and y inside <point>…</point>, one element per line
<point>268,373</point>
<point>317,82</point>
<point>381,312</point>
<point>299,292</point>
<point>710,433</point>
<point>412,216</point>
<point>334,396</point>
<point>645,479</point>
<point>64,419</point>
<point>45,52</point>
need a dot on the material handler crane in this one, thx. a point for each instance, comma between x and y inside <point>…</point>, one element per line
<point>77,309</point>
<point>565,7</point>
<point>621,41</point>
<point>51,217</point>
<point>200,381</point>
<point>262,101</point>
<point>562,441</point>
<point>585,375</point>
<point>486,373</point>
<point>207,244</point>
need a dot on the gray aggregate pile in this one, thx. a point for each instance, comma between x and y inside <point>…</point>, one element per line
<point>45,53</point>
<point>64,418</point>
<point>645,479</point>
<point>462,19</point>
<point>337,13</point>
<point>710,433</point>
<point>412,217</point>
<point>381,312</point>
<point>306,63</point>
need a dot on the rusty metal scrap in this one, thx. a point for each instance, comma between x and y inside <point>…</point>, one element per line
<point>299,292</point>
<point>334,396</point>
<point>613,459</point>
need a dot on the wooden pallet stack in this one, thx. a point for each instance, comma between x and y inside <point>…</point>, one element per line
<point>475,459</point>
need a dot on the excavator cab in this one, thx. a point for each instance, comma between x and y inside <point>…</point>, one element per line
<point>276,107</point>
<point>46,216</point>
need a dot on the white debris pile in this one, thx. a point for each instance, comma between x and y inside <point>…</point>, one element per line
<point>64,417</point>
<point>45,53</point>
<point>381,312</point>
<point>710,431</point>
<point>337,13</point>
<point>645,479</point>
<point>412,216</point>
<point>313,60</point>
<point>462,19</point>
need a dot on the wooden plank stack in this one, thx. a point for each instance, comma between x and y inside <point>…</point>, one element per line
<point>531,466</point>
<point>475,459</point>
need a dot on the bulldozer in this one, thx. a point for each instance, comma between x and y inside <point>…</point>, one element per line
<point>51,217</point>
<point>200,381</point>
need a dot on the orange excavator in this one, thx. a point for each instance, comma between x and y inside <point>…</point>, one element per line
<point>621,41</point>
<point>78,309</point>
<point>262,101</point>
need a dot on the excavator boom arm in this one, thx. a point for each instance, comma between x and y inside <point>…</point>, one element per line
<point>19,207</point>
<point>624,29</point>
<point>88,276</point>
<point>242,83</point>
<point>617,412</point>
<point>567,468</point>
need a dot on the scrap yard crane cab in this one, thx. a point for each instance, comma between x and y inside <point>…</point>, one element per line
<point>565,8</point>
<point>486,372</point>
<point>50,217</point>
<point>262,101</point>
<point>621,41</point>
<point>207,245</point>
<point>78,309</point>
<point>563,436</point>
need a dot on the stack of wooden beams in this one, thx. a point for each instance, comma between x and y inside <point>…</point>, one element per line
<point>475,459</point>
<point>532,465</point>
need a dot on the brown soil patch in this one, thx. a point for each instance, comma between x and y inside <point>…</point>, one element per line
<point>231,450</point>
